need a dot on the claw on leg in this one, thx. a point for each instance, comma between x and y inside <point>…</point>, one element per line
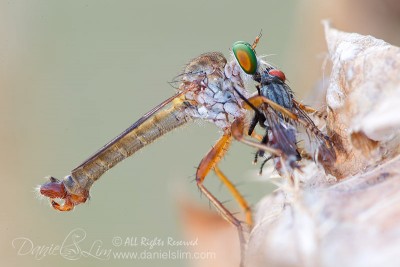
<point>56,189</point>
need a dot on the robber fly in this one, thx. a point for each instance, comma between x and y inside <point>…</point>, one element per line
<point>210,89</point>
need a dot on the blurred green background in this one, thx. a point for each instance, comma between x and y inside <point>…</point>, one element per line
<point>74,74</point>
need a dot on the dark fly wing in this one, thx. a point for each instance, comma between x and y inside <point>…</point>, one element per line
<point>325,153</point>
<point>282,128</point>
<point>283,137</point>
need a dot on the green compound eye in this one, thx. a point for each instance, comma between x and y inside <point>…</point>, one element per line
<point>245,56</point>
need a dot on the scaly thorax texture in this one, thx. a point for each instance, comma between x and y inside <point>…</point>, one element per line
<point>214,99</point>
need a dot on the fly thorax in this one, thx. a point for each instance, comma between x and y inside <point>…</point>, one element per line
<point>214,99</point>
<point>276,90</point>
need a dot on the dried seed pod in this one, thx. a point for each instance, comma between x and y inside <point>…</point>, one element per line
<point>351,220</point>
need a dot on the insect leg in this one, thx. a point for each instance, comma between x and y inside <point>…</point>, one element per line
<point>263,163</point>
<point>253,124</point>
<point>258,100</point>
<point>237,129</point>
<point>207,163</point>
<point>236,194</point>
<point>264,141</point>
<point>310,110</point>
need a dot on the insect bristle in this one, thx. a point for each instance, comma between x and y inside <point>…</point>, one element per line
<point>38,195</point>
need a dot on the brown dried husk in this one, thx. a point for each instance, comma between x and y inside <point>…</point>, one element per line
<point>349,213</point>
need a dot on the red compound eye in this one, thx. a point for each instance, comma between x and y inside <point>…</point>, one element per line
<point>278,73</point>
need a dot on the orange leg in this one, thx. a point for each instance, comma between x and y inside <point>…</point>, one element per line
<point>258,100</point>
<point>209,162</point>
<point>236,194</point>
<point>256,136</point>
<point>237,129</point>
<point>212,161</point>
<point>310,110</point>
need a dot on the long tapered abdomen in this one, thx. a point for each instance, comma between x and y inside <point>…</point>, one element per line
<point>127,143</point>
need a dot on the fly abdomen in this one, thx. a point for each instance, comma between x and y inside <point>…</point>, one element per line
<point>123,147</point>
